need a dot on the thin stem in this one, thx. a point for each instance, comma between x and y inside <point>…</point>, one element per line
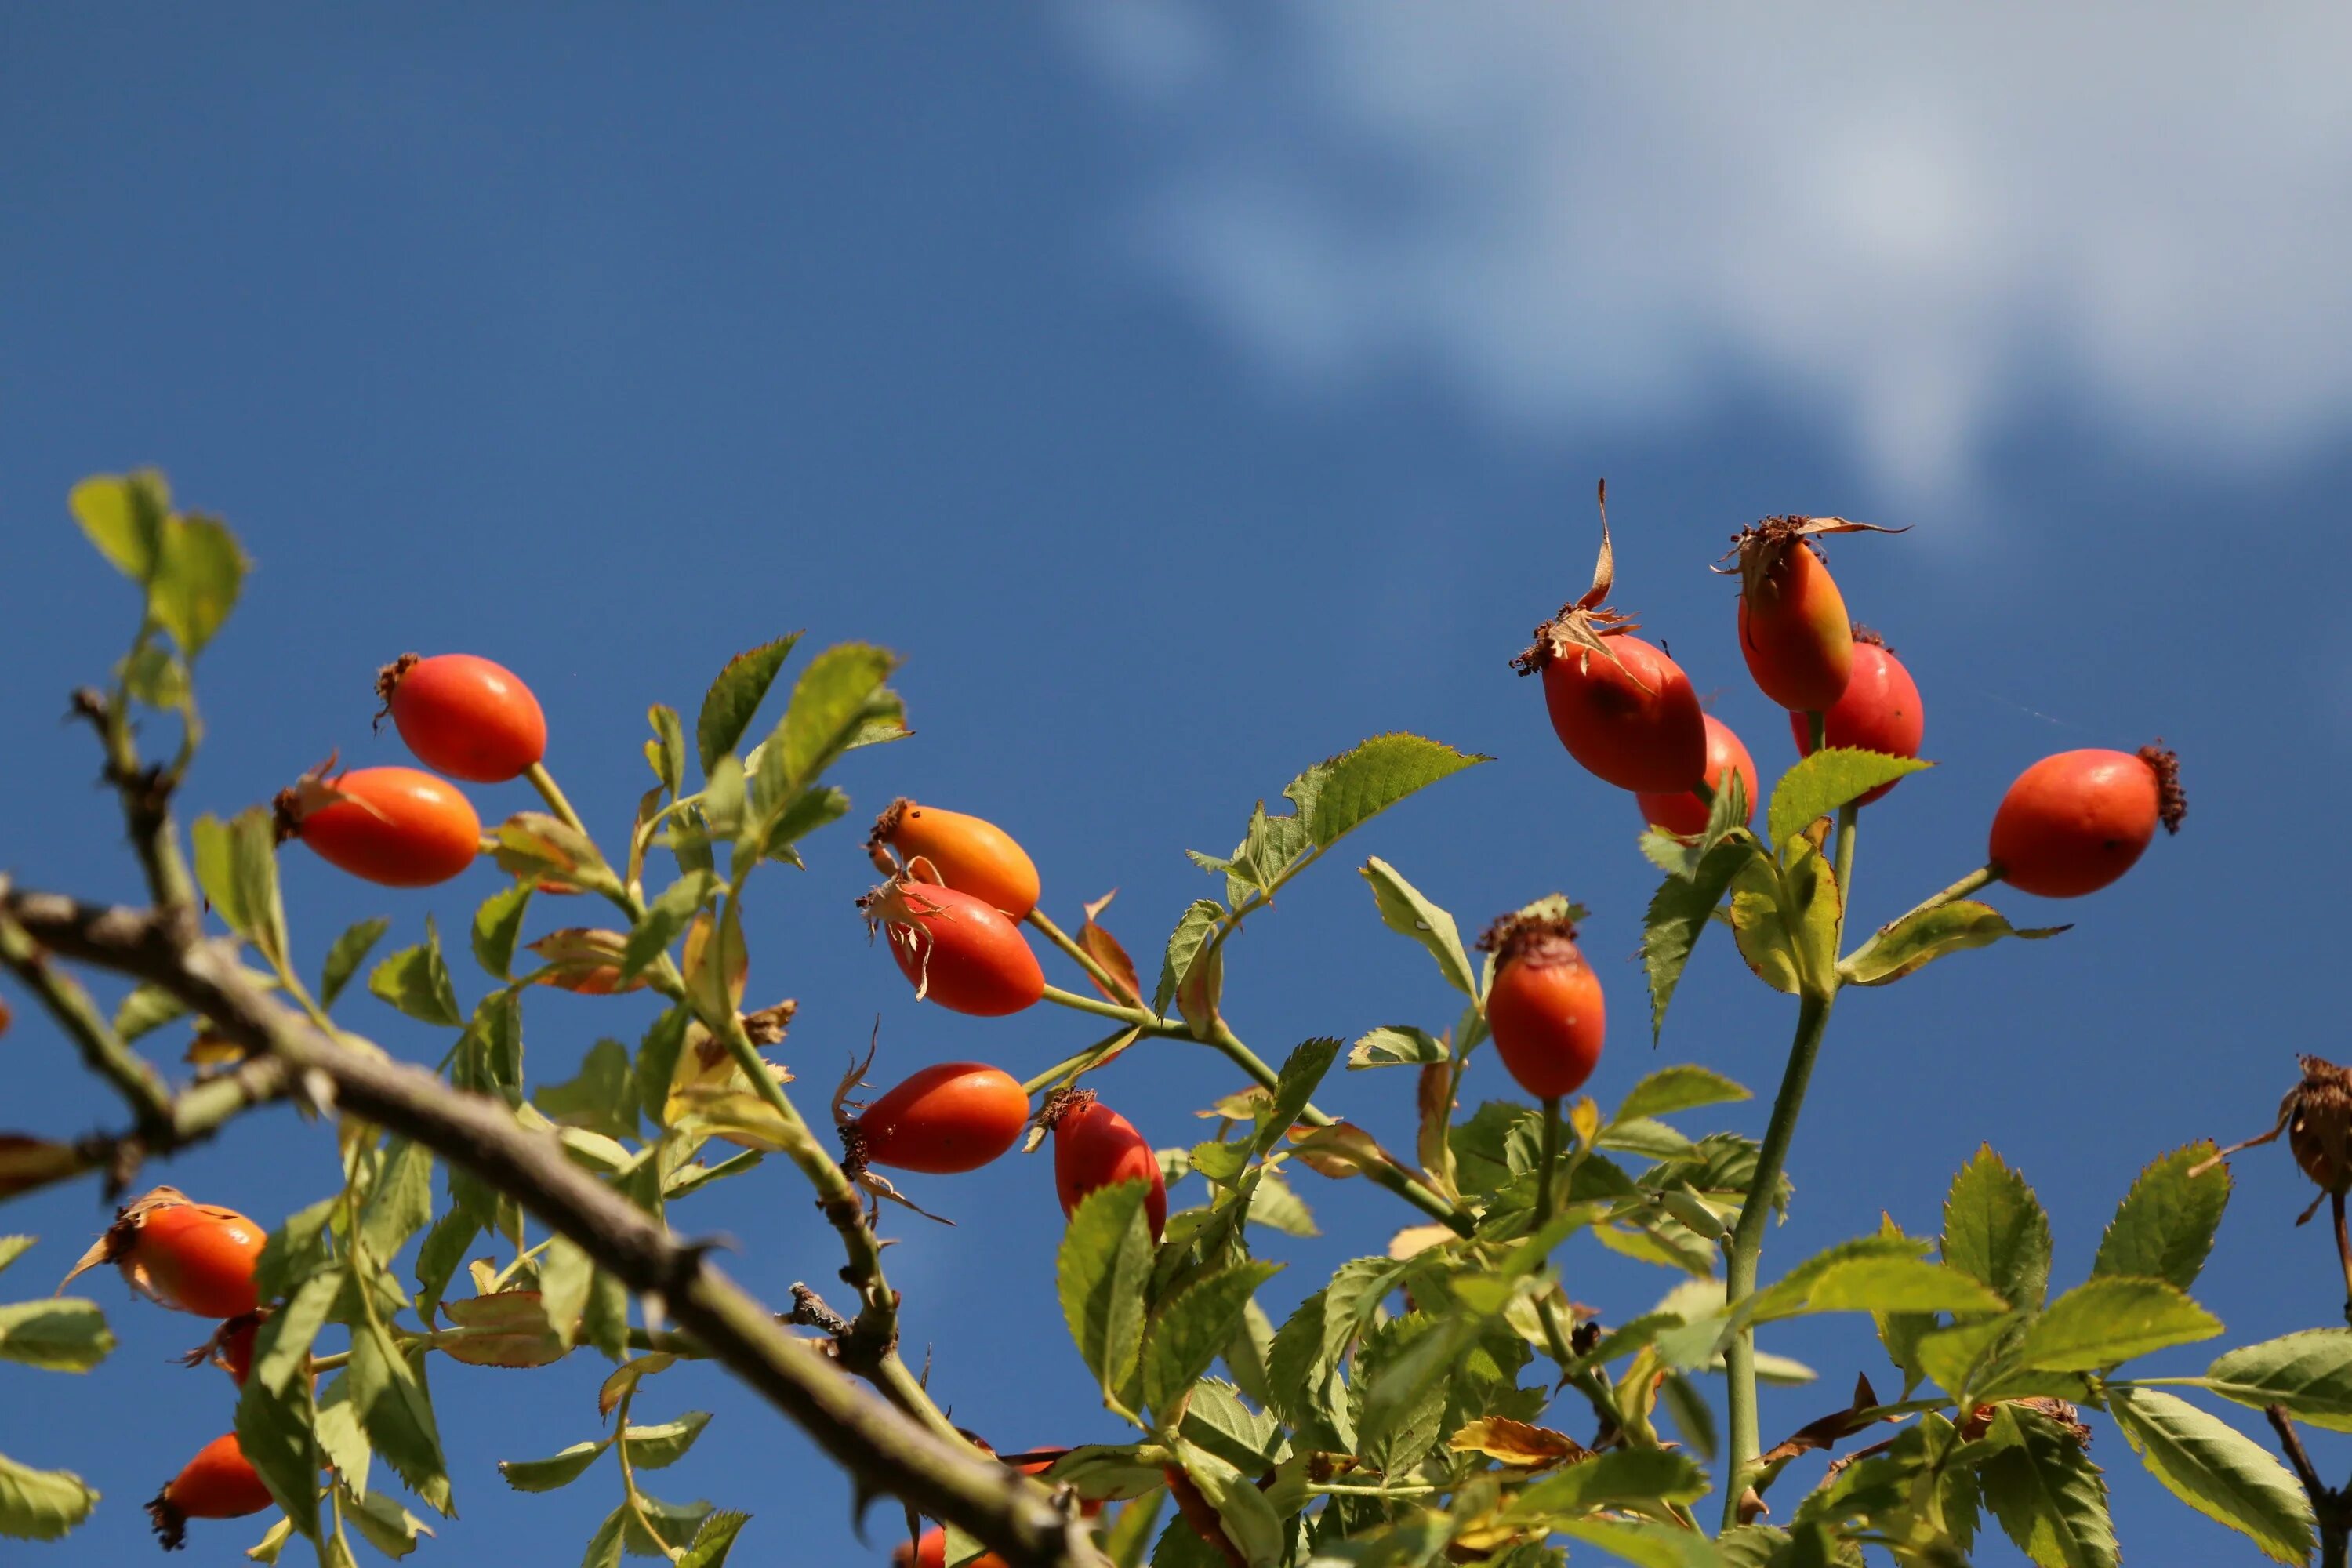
<point>2343,1250</point>
<point>1084,960</point>
<point>2328,1506</point>
<point>1555,1337</point>
<point>1748,1245</point>
<point>1341,1489</point>
<point>549,791</point>
<point>629,1475</point>
<point>1981,876</point>
<point>102,1050</point>
<point>1070,1066</point>
<point>1842,850</point>
<point>1078,1002</point>
<point>1817,725</point>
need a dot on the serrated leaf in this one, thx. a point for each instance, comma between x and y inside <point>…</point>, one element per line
<point>274,1431</point>
<point>12,1247</point>
<point>123,515</point>
<point>388,1391</point>
<point>281,1346</point>
<point>816,806</point>
<point>714,1538</point>
<point>2217,1470</point>
<point>1880,1284</point>
<point>41,1505</point>
<point>666,916</point>
<point>386,1526</point>
<point>537,848</point>
<point>1185,945</point>
<point>62,1333</point>
<point>1396,1044</point>
<point>1619,1476</point>
<point>1404,909</point>
<point>1827,779</point>
<point>2104,1322</point>
<point>1646,1543</point>
<point>2046,1492</point>
<point>1102,1263</point>
<point>415,981</point>
<point>605,1546</point>
<point>198,570</point>
<point>441,1255</point>
<point>734,696</point>
<point>664,1444</point>
<point>1994,1228</point>
<point>831,703</point>
<point>1785,918</point>
<point>1187,1333</point>
<point>400,1204</point>
<point>1918,940</point>
<point>2309,1372</point>
<point>586,960</point>
<point>1302,1070</point>
<point>566,1274</point>
<point>556,1470</point>
<point>1249,1520</point>
<point>1679,914</point>
<point>1682,1087</point>
<point>1344,792</point>
<point>498,927</point>
<point>2165,1226</point>
<point>674,1524</point>
<point>345,956</point>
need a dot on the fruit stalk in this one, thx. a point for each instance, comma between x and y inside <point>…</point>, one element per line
<point>1079,955</point>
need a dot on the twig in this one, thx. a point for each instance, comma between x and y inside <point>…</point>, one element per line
<point>884,1448</point>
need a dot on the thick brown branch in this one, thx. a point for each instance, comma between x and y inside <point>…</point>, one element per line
<point>886,1450</point>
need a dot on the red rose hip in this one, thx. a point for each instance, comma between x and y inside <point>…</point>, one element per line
<point>2074,823</point>
<point>1881,710</point>
<point>1545,1008</point>
<point>464,715</point>
<point>1684,813</point>
<point>1095,1146</point>
<point>399,827</point>
<point>947,1118</point>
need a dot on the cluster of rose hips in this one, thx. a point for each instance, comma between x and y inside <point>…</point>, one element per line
<point>195,1258</point>
<point>2070,825</point>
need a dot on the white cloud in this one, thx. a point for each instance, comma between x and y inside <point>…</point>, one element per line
<point>1921,221</point>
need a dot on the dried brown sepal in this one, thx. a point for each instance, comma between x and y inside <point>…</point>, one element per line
<point>210,1351</point>
<point>171,1526</point>
<point>1760,546</point>
<point>2317,1116</point>
<point>313,791</point>
<point>1539,939</point>
<point>767,1027</point>
<point>1585,622</point>
<point>885,825</point>
<point>877,1185</point>
<point>1060,1103</point>
<point>2056,1410</point>
<point>1864,634</point>
<point>117,1244</point>
<point>2171,803</point>
<point>1518,1442</point>
<point>387,681</point>
<point>1820,1436</point>
<point>895,908</point>
<point>1108,951</point>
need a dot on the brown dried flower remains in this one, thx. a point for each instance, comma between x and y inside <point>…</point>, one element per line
<point>387,681</point>
<point>2171,803</point>
<point>1537,939</point>
<point>1584,624</point>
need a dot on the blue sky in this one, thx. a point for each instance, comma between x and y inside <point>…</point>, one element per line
<point>1187,395</point>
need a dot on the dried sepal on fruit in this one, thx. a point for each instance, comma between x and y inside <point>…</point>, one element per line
<point>230,1348</point>
<point>1793,628</point>
<point>1545,1008</point>
<point>400,827</point>
<point>220,1482</point>
<point>1624,709</point>
<point>1095,1146</point>
<point>191,1256</point>
<point>463,715</point>
<point>856,1157</point>
<point>959,950</point>
<point>969,854</point>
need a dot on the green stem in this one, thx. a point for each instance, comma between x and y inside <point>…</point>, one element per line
<point>1748,1245</point>
<point>1817,725</point>
<point>544,783</point>
<point>1069,1066</point>
<point>1981,876</point>
<point>1084,960</point>
<point>1077,1002</point>
<point>1555,1337</point>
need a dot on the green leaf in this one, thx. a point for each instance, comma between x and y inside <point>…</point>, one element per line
<point>12,1247</point>
<point>1400,1380</point>
<point>2309,1372</point>
<point>1302,1070</point>
<point>123,515</point>
<point>1618,1476</point>
<point>819,805</point>
<point>1404,909</point>
<point>442,1254</point>
<point>1185,945</point>
<point>2046,1492</point>
<point>215,856</point>
<point>1192,1328</point>
<point>658,1446</point>
<point>401,1203</point>
<point>2111,1319</point>
<point>1646,1543</point>
<point>1105,1258</point>
<point>253,865</point>
<point>1396,1044</point>
<point>1785,919</point>
<point>1994,1228</point>
<point>1678,915</point>
<point>388,1391</point>
<point>2217,1470</point>
<point>388,1527</point>
<point>674,1524</point>
<point>1679,1087</point>
<point>665,753</point>
<point>732,699</point>
<point>274,1430</point>
<point>146,1009</point>
<point>41,1505</point>
<point>566,1274</point>
<point>1347,791</point>
<point>658,1062</point>
<point>55,1334</point>
<point>416,982</point>
<point>341,1444</point>
<point>831,702</point>
<point>715,966</point>
<point>2166,1224</point>
<point>715,1538</point>
<point>665,918</point>
<point>605,1320</point>
<point>1129,1536</point>
<point>1918,940</point>
<point>1951,1356</point>
<point>281,1346</point>
<point>198,571</point>
<point>1274,1205</point>
<point>1250,1522</point>
<point>498,927</point>
<point>1826,781</point>
<point>605,1546</point>
<point>349,951</point>
<point>602,1098</point>
<point>1875,1284</point>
